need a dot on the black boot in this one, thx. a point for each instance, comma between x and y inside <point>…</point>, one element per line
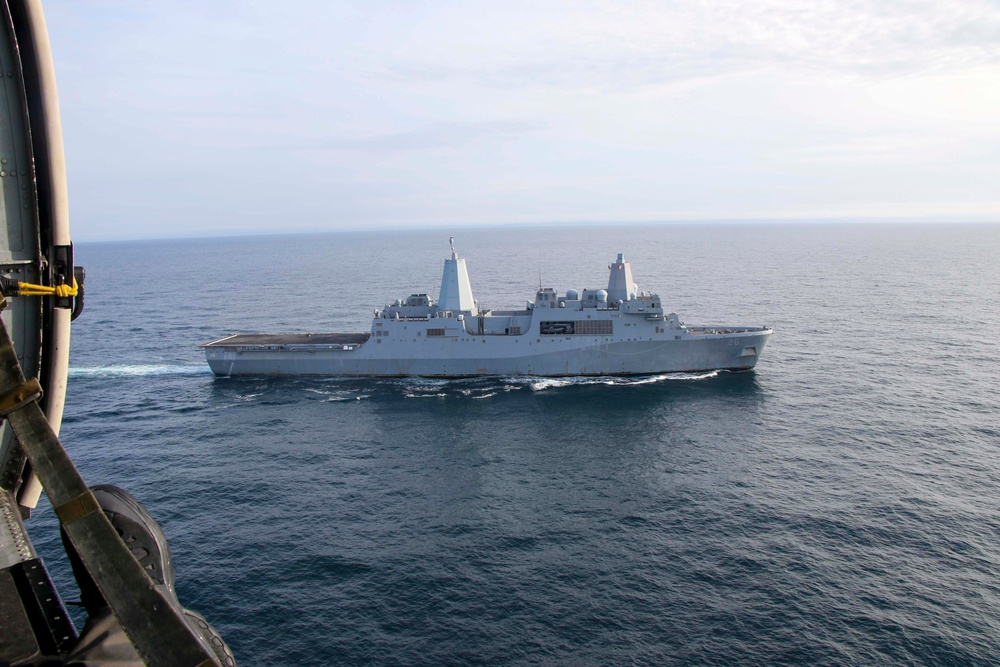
<point>145,539</point>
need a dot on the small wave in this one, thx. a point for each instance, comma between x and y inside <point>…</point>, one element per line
<point>486,387</point>
<point>423,382</point>
<point>548,383</point>
<point>339,399</point>
<point>666,377</point>
<point>422,388</point>
<point>136,370</point>
<point>541,384</point>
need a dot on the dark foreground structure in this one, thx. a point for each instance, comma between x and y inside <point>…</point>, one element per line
<point>118,552</point>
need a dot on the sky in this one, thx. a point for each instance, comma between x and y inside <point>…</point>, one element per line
<point>188,118</point>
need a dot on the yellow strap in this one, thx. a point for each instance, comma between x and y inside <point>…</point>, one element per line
<point>75,509</point>
<point>30,289</point>
<point>20,396</point>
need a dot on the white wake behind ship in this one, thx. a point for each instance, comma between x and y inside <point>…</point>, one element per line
<point>613,331</point>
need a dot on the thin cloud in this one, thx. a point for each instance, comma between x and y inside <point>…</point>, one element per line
<point>438,136</point>
<point>897,149</point>
<point>621,45</point>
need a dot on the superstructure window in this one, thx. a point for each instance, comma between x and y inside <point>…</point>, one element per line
<point>556,328</point>
<point>576,327</point>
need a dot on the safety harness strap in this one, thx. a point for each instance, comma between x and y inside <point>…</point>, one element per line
<point>20,396</point>
<point>75,509</point>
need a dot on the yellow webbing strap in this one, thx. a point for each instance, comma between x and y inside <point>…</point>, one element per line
<point>75,509</point>
<point>20,396</point>
<point>64,290</point>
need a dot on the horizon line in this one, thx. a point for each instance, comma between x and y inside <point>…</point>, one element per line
<point>251,233</point>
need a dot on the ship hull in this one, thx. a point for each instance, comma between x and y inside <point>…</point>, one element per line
<point>471,356</point>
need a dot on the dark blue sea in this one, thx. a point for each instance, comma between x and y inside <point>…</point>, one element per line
<point>840,505</point>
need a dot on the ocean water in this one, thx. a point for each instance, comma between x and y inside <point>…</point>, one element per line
<point>837,506</point>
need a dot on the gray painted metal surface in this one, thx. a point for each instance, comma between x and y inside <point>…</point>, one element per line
<point>556,335</point>
<point>34,214</point>
<point>15,547</point>
<point>19,241</point>
<point>34,248</point>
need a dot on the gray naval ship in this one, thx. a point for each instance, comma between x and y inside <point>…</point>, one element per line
<point>613,331</point>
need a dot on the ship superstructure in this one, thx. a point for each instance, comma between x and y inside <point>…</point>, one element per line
<point>614,331</point>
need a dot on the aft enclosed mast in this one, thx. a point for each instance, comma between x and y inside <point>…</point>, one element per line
<point>620,284</point>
